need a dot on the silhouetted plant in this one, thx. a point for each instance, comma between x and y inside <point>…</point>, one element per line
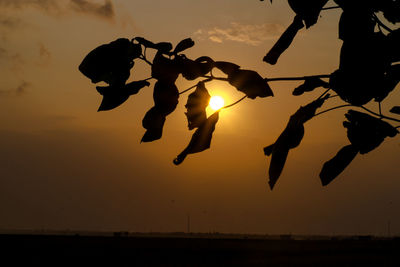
<point>367,72</point>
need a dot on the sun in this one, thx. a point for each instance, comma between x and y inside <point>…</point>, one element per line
<point>216,102</point>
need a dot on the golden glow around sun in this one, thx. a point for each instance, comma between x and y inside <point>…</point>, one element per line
<point>216,102</point>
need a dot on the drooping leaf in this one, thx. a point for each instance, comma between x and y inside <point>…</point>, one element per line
<point>226,67</point>
<point>390,81</point>
<point>395,110</point>
<point>111,62</point>
<point>284,41</point>
<point>250,83</point>
<point>153,122</point>
<point>337,164</point>
<point>308,10</point>
<point>193,69</point>
<point>114,96</point>
<point>183,45</point>
<point>201,139</point>
<point>163,47</point>
<point>196,106</point>
<point>366,132</point>
<point>164,68</point>
<point>309,85</point>
<point>290,138</point>
<point>145,42</point>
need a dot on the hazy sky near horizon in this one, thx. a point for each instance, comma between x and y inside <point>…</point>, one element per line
<point>65,166</point>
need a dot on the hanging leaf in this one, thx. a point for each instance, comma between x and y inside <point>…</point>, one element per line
<point>183,45</point>
<point>390,81</point>
<point>153,122</point>
<point>395,110</point>
<point>393,44</point>
<point>250,83</point>
<point>309,85</point>
<point>308,10</point>
<point>290,138</point>
<point>337,164</point>
<point>284,41</point>
<point>193,69</point>
<point>111,62</point>
<point>146,43</point>
<point>163,47</point>
<point>114,96</point>
<point>366,132</point>
<point>196,106</point>
<point>227,67</point>
<point>164,68</point>
<point>201,139</point>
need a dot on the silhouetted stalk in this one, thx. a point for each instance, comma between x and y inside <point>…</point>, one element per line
<point>331,7</point>
<point>380,109</point>
<point>297,78</point>
<point>378,115</point>
<point>381,24</point>
<point>325,111</point>
<point>326,91</point>
<point>194,86</point>
<point>231,105</point>
<point>145,60</point>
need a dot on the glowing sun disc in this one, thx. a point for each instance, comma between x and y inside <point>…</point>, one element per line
<point>216,102</point>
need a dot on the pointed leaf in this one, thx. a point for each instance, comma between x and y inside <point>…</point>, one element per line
<point>183,45</point>
<point>309,85</point>
<point>308,10</point>
<point>153,122</point>
<point>196,106</point>
<point>284,41</point>
<point>395,110</point>
<point>250,83</point>
<point>201,139</point>
<point>193,69</point>
<point>337,164</point>
<point>226,67</point>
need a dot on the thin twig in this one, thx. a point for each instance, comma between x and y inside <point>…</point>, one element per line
<point>380,23</point>
<point>194,86</point>
<point>326,91</point>
<point>342,106</point>
<point>231,105</point>
<point>297,78</point>
<point>145,60</point>
<point>376,114</point>
<point>216,78</point>
<point>331,7</point>
<point>380,109</point>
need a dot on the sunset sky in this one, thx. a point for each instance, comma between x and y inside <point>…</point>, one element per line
<point>63,165</point>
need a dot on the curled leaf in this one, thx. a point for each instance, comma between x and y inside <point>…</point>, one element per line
<point>250,83</point>
<point>366,132</point>
<point>201,139</point>
<point>309,85</point>
<point>193,69</point>
<point>111,62</point>
<point>183,45</point>
<point>153,122</point>
<point>196,106</point>
<point>290,138</point>
<point>226,67</point>
<point>145,42</point>
<point>163,47</point>
<point>337,164</point>
<point>164,68</point>
<point>114,96</point>
<point>284,41</point>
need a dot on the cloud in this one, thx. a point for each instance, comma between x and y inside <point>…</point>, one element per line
<point>45,55</point>
<point>10,23</point>
<point>17,91</point>
<point>105,10</point>
<point>251,34</point>
<point>42,4</point>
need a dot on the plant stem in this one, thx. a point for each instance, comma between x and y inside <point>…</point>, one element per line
<point>341,106</point>
<point>326,91</point>
<point>231,105</point>
<point>297,78</point>
<point>380,23</point>
<point>145,60</point>
<point>378,115</point>
<point>331,7</point>
<point>194,86</point>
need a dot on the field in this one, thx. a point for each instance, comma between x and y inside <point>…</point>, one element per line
<point>123,249</point>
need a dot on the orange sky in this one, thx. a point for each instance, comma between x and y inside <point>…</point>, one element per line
<point>65,166</point>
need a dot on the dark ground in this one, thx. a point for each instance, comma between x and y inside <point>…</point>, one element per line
<point>70,250</point>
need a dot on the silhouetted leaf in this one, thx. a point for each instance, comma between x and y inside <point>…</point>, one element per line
<point>111,62</point>
<point>366,132</point>
<point>165,96</point>
<point>145,42</point>
<point>183,45</point>
<point>290,138</point>
<point>250,83</point>
<point>153,122</point>
<point>193,69</point>
<point>163,47</point>
<point>284,41</point>
<point>389,83</point>
<point>393,44</point>
<point>164,68</point>
<point>395,110</point>
<point>309,85</point>
<point>201,139</point>
<point>355,25</point>
<point>391,10</point>
<point>114,96</point>
<point>196,106</point>
<point>337,164</point>
<point>226,67</point>
<point>308,10</point>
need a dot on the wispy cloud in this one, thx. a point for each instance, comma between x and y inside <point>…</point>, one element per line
<point>251,34</point>
<point>105,10</point>
<point>44,54</point>
<point>17,91</point>
<point>43,4</point>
